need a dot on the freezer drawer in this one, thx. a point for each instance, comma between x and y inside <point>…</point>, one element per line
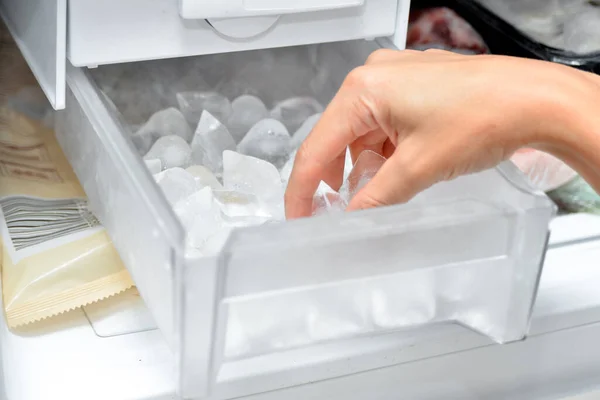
<point>115,31</point>
<point>308,292</point>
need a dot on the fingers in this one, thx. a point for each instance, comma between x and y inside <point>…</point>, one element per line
<point>400,178</point>
<point>349,116</point>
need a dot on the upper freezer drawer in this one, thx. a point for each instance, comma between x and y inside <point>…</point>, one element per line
<point>116,31</point>
<point>295,302</point>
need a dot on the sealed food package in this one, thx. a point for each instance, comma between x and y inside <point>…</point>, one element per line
<point>570,192</point>
<point>544,171</point>
<point>442,28</point>
<point>576,196</point>
<point>55,255</point>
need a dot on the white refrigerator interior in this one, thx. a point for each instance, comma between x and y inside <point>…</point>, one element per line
<point>466,255</point>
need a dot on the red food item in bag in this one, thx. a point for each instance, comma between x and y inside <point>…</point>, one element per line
<point>443,28</point>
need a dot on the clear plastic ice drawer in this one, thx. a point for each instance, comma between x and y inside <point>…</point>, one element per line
<point>297,295</point>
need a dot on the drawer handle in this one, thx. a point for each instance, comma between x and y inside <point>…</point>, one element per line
<point>205,9</point>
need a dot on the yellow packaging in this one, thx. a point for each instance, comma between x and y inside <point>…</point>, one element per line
<point>55,255</point>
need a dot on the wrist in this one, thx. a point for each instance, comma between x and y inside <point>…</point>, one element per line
<point>573,110</point>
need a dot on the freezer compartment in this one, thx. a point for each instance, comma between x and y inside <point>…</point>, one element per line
<point>468,251</point>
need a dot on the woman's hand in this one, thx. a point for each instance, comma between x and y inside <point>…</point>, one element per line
<point>436,115</point>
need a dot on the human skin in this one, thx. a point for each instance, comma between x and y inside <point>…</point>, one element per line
<point>436,115</point>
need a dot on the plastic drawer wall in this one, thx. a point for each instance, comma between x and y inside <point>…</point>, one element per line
<point>467,251</point>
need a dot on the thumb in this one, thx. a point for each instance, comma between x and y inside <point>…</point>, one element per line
<point>399,179</point>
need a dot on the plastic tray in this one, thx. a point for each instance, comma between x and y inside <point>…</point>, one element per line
<point>309,292</point>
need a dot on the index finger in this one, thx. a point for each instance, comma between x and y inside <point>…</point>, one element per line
<point>349,116</point>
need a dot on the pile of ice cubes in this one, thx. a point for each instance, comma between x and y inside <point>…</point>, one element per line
<point>572,25</point>
<point>232,169</point>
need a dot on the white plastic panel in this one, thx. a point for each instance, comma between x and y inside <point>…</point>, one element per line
<point>114,31</point>
<point>39,28</point>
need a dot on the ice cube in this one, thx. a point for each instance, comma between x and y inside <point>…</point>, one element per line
<point>268,140</point>
<point>326,200</point>
<point>293,112</point>
<point>239,204</point>
<point>347,164</point>
<point>154,165</point>
<point>404,303</point>
<point>204,177</point>
<point>210,140</point>
<point>304,130</point>
<point>247,110</point>
<point>176,184</point>
<point>251,175</point>
<point>192,104</point>
<point>582,31</point>
<point>200,216</point>
<point>286,170</point>
<point>172,151</point>
<point>365,168</point>
<point>167,122</point>
<point>215,243</point>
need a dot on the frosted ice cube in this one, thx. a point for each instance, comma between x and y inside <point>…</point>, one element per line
<point>304,130</point>
<point>238,204</point>
<point>241,222</point>
<point>192,104</point>
<point>365,168</point>
<point>172,151</point>
<point>293,112</point>
<point>154,165</point>
<point>582,31</point>
<point>200,216</point>
<point>204,177</point>
<point>247,110</point>
<point>250,175</point>
<point>210,140</point>
<point>215,243</point>
<point>326,200</point>
<point>166,122</point>
<point>176,184</point>
<point>286,170</point>
<point>403,303</point>
<point>268,140</point>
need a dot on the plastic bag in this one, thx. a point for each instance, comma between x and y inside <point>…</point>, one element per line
<point>545,171</point>
<point>55,255</point>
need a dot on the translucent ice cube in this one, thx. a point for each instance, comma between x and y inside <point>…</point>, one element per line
<point>172,151</point>
<point>293,112</point>
<point>250,175</point>
<point>247,110</point>
<point>347,164</point>
<point>192,104</point>
<point>200,216</point>
<point>286,170</point>
<point>268,140</point>
<point>304,130</point>
<point>154,165</point>
<point>176,184</point>
<point>210,140</point>
<point>167,122</point>
<point>326,200</point>
<point>365,168</point>
<point>204,177</point>
<point>239,204</point>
